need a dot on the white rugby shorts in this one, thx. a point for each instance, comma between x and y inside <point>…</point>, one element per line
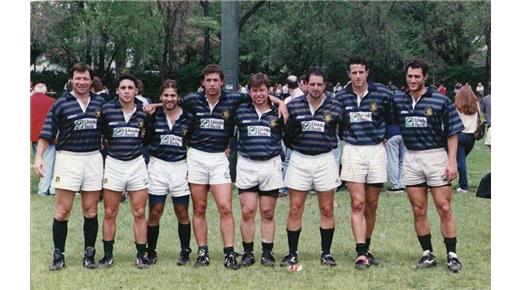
<point>207,167</point>
<point>364,163</point>
<point>128,175</point>
<point>306,172</point>
<point>425,166</point>
<point>78,171</point>
<point>168,177</point>
<point>267,174</point>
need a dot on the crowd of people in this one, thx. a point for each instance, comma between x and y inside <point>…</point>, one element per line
<point>416,140</point>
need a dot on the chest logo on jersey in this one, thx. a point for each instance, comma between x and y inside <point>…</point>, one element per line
<point>273,123</point>
<point>416,122</point>
<point>125,132</point>
<point>357,117</point>
<point>98,114</point>
<point>327,118</point>
<point>226,115</point>
<point>85,124</point>
<point>185,132</point>
<point>210,123</point>
<point>313,126</point>
<point>171,140</point>
<point>258,131</point>
<point>428,111</point>
<point>373,106</point>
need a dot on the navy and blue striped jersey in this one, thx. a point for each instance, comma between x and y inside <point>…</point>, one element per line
<point>125,140</point>
<point>165,143</point>
<point>365,124</point>
<point>430,123</point>
<point>76,131</point>
<point>313,134</point>
<point>211,131</point>
<point>260,137</point>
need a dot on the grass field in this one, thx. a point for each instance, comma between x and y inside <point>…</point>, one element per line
<point>394,243</point>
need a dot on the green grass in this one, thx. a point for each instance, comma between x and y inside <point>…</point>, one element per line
<point>394,243</point>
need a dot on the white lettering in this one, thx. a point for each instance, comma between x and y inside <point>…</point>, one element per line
<point>313,126</point>
<point>357,117</point>
<point>210,123</point>
<point>125,132</point>
<point>85,124</point>
<point>171,140</point>
<point>258,131</point>
<point>416,122</point>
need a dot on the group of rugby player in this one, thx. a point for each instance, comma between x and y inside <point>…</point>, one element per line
<point>190,138</point>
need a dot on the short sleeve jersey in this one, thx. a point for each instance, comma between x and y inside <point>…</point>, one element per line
<point>313,134</point>
<point>260,137</point>
<point>125,140</point>
<point>77,131</point>
<point>211,130</point>
<point>430,123</point>
<point>168,144</point>
<point>365,124</point>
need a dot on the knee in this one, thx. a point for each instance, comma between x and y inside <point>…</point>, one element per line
<point>445,211</point>
<point>358,207</point>
<point>267,214</point>
<point>248,213</point>
<point>295,211</point>
<point>182,216</point>
<point>327,212</point>
<point>110,212</point>
<point>154,217</point>
<point>199,210</point>
<point>225,211</point>
<point>138,213</point>
<point>371,206</point>
<point>62,214</point>
<point>419,211</point>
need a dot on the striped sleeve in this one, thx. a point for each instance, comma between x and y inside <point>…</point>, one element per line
<point>50,127</point>
<point>454,122</point>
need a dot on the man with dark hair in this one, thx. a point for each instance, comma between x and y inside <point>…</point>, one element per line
<point>124,123</point>
<point>367,108</point>
<point>429,124</point>
<point>73,121</point>
<point>259,168</point>
<point>208,167</point>
<point>311,133</point>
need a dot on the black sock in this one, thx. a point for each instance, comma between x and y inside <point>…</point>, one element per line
<point>108,248</point>
<point>361,249</point>
<point>326,239</point>
<point>184,231</point>
<point>451,244</point>
<point>152,235</point>
<point>426,242</point>
<point>141,248</point>
<point>205,249</point>
<point>367,242</point>
<point>267,247</point>
<point>292,238</point>
<point>90,229</point>
<point>229,250</point>
<point>248,247</point>
<point>59,234</point>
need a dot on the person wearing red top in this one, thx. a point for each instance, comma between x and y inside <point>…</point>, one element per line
<point>40,104</point>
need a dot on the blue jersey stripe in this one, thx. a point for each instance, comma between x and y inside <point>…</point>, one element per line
<point>75,131</point>
<point>163,145</point>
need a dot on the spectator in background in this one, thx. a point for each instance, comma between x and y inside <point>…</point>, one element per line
<point>457,88</point>
<point>480,90</point>
<point>442,89</point>
<point>98,88</point>
<point>68,86</point>
<point>40,104</point>
<point>302,83</point>
<point>145,101</point>
<point>467,106</point>
<point>486,110</point>
<point>395,150</point>
<point>392,87</point>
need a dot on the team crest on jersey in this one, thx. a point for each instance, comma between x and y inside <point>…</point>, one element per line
<point>327,118</point>
<point>57,179</point>
<point>185,132</point>
<point>98,114</point>
<point>105,180</point>
<point>428,111</point>
<point>226,115</point>
<point>373,106</point>
<point>140,123</point>
<point>273,123</point>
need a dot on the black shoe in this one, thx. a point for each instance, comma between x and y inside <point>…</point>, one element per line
<point>88,259</point>
<point>454,264</point>
<point>58,261</point>
<point>289,260</point>
<point>141,261</point>
<point>327,260</point>
<point>230,261</point>
<point>152,257</point>
<point>362,262</point>
<point>106,262</point>
<point>202,259</point>
<point>371,259</point>
<point>184,257</point>
<point>427,260</point>
<point>248,259</point>
<point>267,259</point>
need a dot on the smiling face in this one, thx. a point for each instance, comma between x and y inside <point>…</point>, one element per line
<point>169,98</point>
<point>212,84</point>
<point>259,94</point>
<point>315,86</point>
<point>81,82</point>
<point>126,91</point>
<point>415,79</point>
